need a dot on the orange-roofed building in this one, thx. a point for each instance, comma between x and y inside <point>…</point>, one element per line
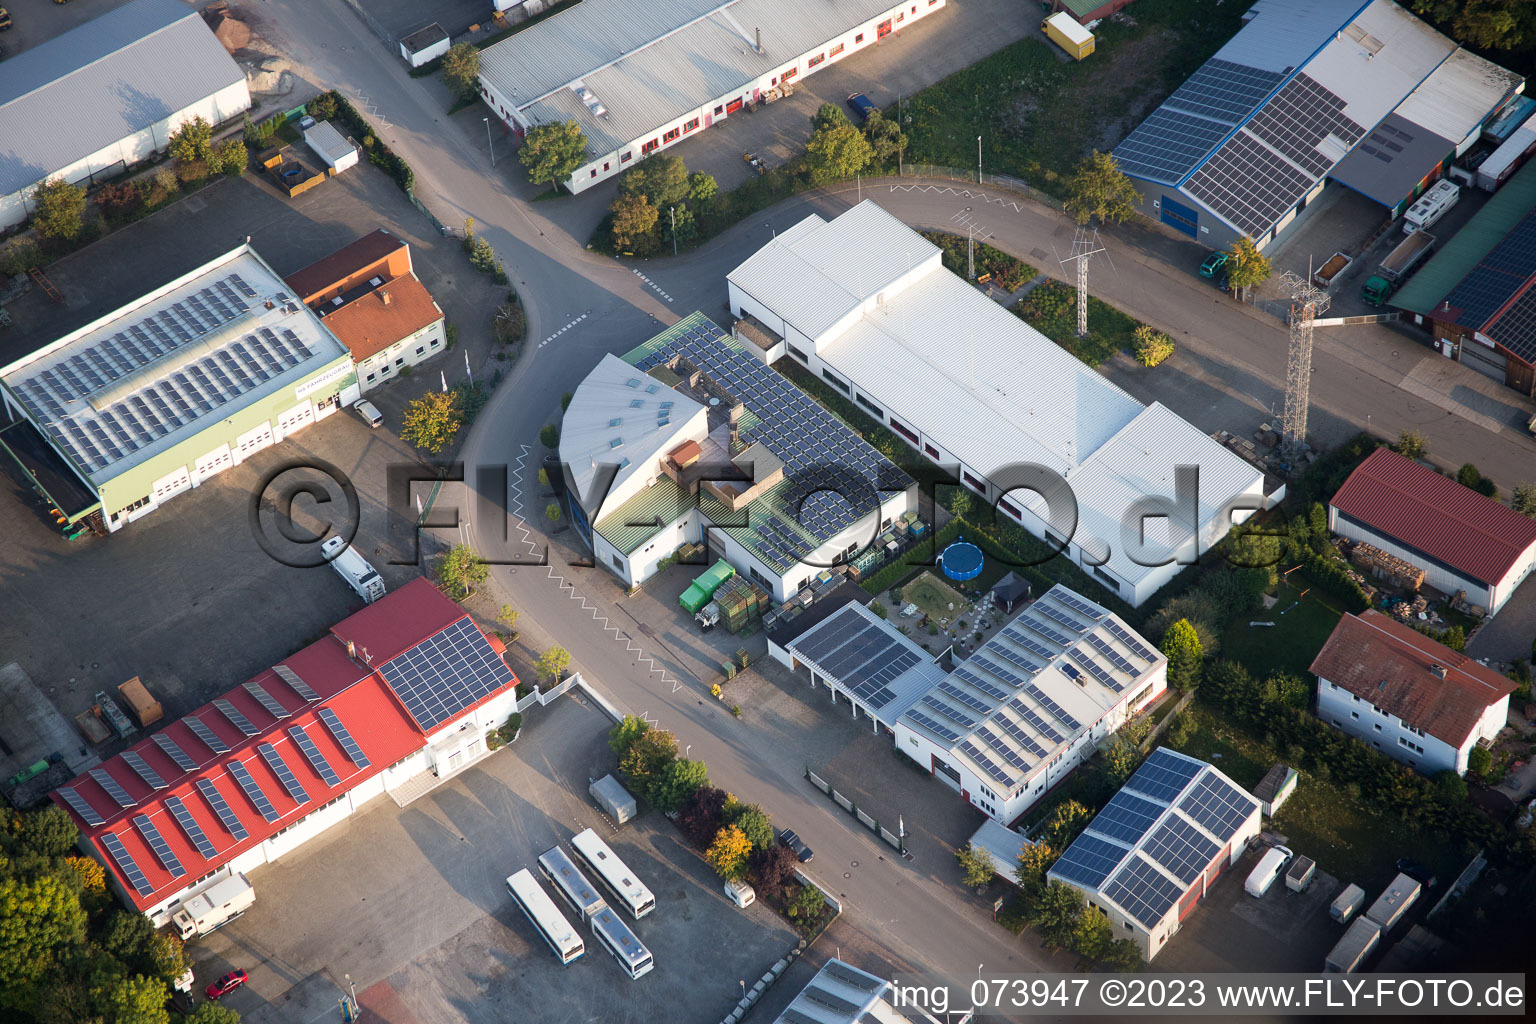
<point>368,294</point>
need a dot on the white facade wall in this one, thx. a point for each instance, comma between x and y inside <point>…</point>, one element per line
<point>408,351</point>
<point>1441,578</point>
<point>1392,736</point>
<point>428,54</point>
<point>227,103</point>
<point>616,161</point>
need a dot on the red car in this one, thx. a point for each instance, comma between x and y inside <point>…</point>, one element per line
<point>227,984</point>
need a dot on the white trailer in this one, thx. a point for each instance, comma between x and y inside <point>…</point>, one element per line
<point>1359,939</point>
<point>1431,206</point>
<point>214,907</point>
<point>353,568</point>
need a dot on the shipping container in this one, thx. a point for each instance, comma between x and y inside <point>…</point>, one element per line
<point>1065,32</point>
<point>1358,941</point>
<point>141,705</point>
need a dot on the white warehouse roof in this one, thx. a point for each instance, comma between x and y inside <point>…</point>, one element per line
<point>102,82</point>
<point>1454,101</point>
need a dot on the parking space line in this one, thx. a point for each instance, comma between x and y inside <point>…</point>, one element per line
<point>562,330</point>
<point>651,284</point>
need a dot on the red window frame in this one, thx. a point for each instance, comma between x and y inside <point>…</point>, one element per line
<point>624,159</point>
<point>689,126</point>
<point>671,135</point>
<point>650,147</point>
<point>812,62</point>
<point>974,482</point>
<point>858,39</point>
<point>837,49</point>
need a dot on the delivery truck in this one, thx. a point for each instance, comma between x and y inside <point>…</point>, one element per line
<point>1063,30</point>
<point>353,568</point>
<point>214,907</point>
<point>1403,260</point>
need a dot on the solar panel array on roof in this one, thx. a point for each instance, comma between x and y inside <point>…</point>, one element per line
<point>316,759</point>
<point>296,684</point>
<point>1218,806</point>
<point>1142,891</point>
<point>1497,277</point>
<point>283,772</point>
<point>157,843</point>
<point>343,737</point>
<point>1164,775</point>
<point>221,808</point>
<point>253,791</point>
<point>266,700</point>
<point>236,717</point>
<point>1193,121</point>
<point>174,752</point>
<point>1180,848</point>
<point>853,979</point>
<point>1126,817</point>
<point>114,788</point>
<point>1248,185</point>
<point>1088,861</point>
<point>1300,117</point>
<point>190,826</point>
<point>446,673</point>
<point>861,655</point>
<point>126,864</point>
<point>1515,328</point>
<point>208,736</point>
<point>81,806</point>
<point>142,769</point>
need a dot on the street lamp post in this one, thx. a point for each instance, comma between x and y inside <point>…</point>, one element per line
<point>673,211</point>
<point>492,146</point>
<point>743,985</point>
<point>978,159</point>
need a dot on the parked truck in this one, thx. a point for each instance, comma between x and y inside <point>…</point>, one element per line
<point>1346,903</point>
<point>1324,275</point>
<point>1431,206</point>
<point>1063,30</point>
<point>214,907</point>
<point>353,568</point>
<point>1403,260</point>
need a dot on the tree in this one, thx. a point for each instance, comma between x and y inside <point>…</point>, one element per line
<point>119,200</point>
<point>1122,955</point>
<point>1479,761</point>
<point>552,511</point>
<point>646,764</point>
<point>167,957</point>
<point>549,435</point>
<point>663,178</point>
<point>192,141</point>
<point>1482,24</point>
<point>1523,499</point>
<point>828,115</point>
<point>460,570</point>
<point>808,902</point>
<point>1066,821</point>
<point>885,138</point>
<point>461,70</point>
<point>48,832</point>
<point>39,919</point>
<point>230,157</point>
<point>634,223</point>
<point>624,735</point>
<point>1121,759</point>
<point>678,222</point>
<point>213,1013</point>
<point>58,209</point>
<point>753,822</point>
<point>1057,912</point>
<point>976,867</point>
<point>1098,189</point>
<point>702,188</point>
<point>773,869</point>
<point>553,662</point>
<point>92,876</point>
<point>1246,266</point>
<point>1289,689</point>
<point>553,152</point>
<point>127,935</point>
<point>728,853</point>
<point>837,152</point>
<point>432,421</point>
<point>1451,787</point>
<point>1092,935</point>
<point>680,780</point>
<point>1412,445</point>
<point>506,614</point>
<point>1034,861</point>
<point>1182,646</point>
<point>1151,346</point>
<point>700,817</point>
<point>137,1000</point>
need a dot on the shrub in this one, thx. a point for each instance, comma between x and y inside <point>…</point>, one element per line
<point>728,853</point>
<point>1152,346</point>
<point>552,511</point>
<point>190,171</point>
<point>20,256</point>
<point>59,209</point>
<point>1412,445</point>
<point>549,435</point>
<point>1479,761</point>
<point>119,200</point>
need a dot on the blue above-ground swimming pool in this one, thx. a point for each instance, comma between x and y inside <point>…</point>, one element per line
<point>961,560</point>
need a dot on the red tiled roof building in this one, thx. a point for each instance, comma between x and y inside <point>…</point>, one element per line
<point>403,689</point>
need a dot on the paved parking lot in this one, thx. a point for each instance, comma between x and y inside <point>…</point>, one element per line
<point>1284,931</point>
<point>37,21</point>
<point>413,905</point>
<point>185,597</point>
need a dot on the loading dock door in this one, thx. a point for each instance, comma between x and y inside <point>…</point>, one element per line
<point>883,29</point>
<point>733,106</point>
<point>1183,218</point>
<point>1485,361</point>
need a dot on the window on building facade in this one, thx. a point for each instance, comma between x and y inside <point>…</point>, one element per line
<point>836,381</point>
<point>871,406</point>
<point>815,60</point>
<point>421,350</point>
<point>719,110</point>
<point>671,134</point>
<point>626,157</point>
<point>593,174</point>
<point>436,342</point>
<point>798,354</point>
<point>689,126</point>
<point>605,165</point>
<point>903,430</point>
<point>650,147</point>
<point>618,563</point>
<point>835,50</point>
<point>858,39</point>
<point>1105,577</point>
<point>974,482</point>
<point>1006,507</point>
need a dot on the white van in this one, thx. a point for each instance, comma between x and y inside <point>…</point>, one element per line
<point>1270,865</point>
<point>741,894</point>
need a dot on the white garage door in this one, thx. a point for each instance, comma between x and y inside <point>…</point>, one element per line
<point>216,461</point>
<point>1484,360</point>
<point>299,416</point>
<point>173,484</point>
<point>253,441</point>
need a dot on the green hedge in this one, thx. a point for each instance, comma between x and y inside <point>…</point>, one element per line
<point>379,155</point>
<point>1331,574</point>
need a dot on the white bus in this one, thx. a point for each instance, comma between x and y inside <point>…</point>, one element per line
<point>545,916</point>
<point>616,937</point>
<point>571,883</point>
<point>592,852</point>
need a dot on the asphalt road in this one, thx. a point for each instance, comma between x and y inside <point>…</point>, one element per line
<point>1238,356</point>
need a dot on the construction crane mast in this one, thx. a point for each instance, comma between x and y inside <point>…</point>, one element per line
<point>1307,301</point>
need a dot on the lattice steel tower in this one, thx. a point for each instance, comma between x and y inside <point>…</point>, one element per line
<point>1084,248</point>
<point>1307,301</point>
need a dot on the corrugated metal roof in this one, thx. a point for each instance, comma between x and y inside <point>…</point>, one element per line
<point>1407,502</point>
<point>650,63</point>
<point>645,514</point>
<point>1392,159</point>
<point>1377,60</point>
<point>1459,95</point>
<point>108,79</point>
<point>1391,665</point>
<point>1461,252</point>
<point>1282,34</point>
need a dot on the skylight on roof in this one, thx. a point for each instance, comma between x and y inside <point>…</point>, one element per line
<point>652,389</point>
<point>637,403</point>
<point>624,464</point>
<point>616,442</point>
<point>633,382</point>
<point>615,422</point>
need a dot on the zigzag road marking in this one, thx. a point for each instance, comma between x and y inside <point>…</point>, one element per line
<point>964,193</point>
<point>369,106</point>
<point>515,506</point>
<point>562,330</point>
<point>651,284</point>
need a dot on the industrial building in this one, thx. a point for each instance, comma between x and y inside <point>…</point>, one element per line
<point>93,101</point>
<point>1464,541</point>
<point>840,993</point>
<point>865,303</point>
<point>369,296</point>
<point>641,78</point>
<point>1477,296</point>
<point>1310,92</point>
<point>393,699</point>
<point>1151,855</point>
<point>1400,692</point>
<point>1031,703</point>
<point>116,418</point>
<point>688,439</point>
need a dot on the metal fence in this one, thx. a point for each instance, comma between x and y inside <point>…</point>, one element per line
<point>543,697</point>
<point>867,820</point>
<point>442,228</point>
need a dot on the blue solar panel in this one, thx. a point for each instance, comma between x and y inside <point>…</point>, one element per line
<point>157,843</point>
<point>938,729</point>
<point>221,808</point>
<point>1127,817</point>
<point>1218,806</point>
<point>1142,891</point>
<point>1164,775</point>
<point>190,826</point>
<point>1088,861</point>
<point>1177,846</point>
<point>126,863</point>
<point>1497,277</point>
<point>446,673</point>
<point>1168,145</point>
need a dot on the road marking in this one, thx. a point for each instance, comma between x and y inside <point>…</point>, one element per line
<point>515,506</point>
<point>964,193</point>
<point>369,106</point>
<point>651,284</point>
<point>562,330</point>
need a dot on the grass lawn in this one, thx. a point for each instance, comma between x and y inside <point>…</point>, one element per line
<point>1039,113</point>
<point>933,598</point>
<point>1290,644</point>
<point>1051,309</point>
<point>1323,819</point>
